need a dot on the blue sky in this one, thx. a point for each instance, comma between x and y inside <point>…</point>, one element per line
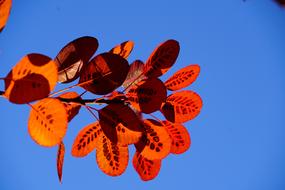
<point>238,139</point>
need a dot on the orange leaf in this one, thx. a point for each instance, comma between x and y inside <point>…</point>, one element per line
<point>33,78</point>
<point>162,58</point>
<point>135,74</point>
<point>5,7</point>
<point>104,73</point>
<point>155,143</point>
<point>183,78</point>
<point>120,124</point>
<point>180,137</point>
<point>124,49</point>
<point>47,122</point>
<point>72,109</point>
<point>111,158</point>
<point>148,95</point>
<point>182,106</point>
<point>73,56</point>
<point>60,159</point>
<point>87,140</point>
<point>147,169</point>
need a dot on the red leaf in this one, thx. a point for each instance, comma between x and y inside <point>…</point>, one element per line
<point>182,106</point>
<point>162,58</point>
<point>135,74</point>
<point>120,124</point>
<point>60,160</point>
<point>32,78</point>
<point>5,7</point>
<point>180,137</point>
<point>147,169</point>
<point>183,78</point>
<point>148,95</point>
<point>72,109</point>
<point>111,158</point>
<point>104,73</point>
<point>87,140</point>
<point>124,49</point>
<point>73,56</point>
<point>155,143</point>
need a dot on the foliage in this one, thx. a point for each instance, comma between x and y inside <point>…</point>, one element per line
<point>120,122</point>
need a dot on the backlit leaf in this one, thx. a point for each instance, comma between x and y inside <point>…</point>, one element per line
<point>183,78</point>
<point>104,73</point>
<point>111,158</point>
<point>180,137</point>
<point>120,124</point>
<point>148,95</point>
<point>182,106</point>
<point>155,143</point>
<point>5,7</point>
<point>32,78</point>
<point>162,58</point>
<point>124,49</point>
<point>47,122</point>
<point>135,74</point>
<point>87,140</point>
<point>73,56</point>
<point>72,109</point>
<point>60,160</point>
<point>147,169</point>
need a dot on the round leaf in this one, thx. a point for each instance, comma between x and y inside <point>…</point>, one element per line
<point>124,49</point>
<point>47,122</point>
<point>104,73</point>
<point>32,78</point>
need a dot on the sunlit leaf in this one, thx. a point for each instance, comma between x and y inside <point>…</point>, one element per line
<point>5,7</point>
<point>155,143</point>
<point>124,49</point>
<point>86,140</point>
<point>162,58</point>
<point>47,122</point>
<point>180,137</point>
<point>60,160</point>
<point>104,73</point>
<point>148,95</point>
<point>32,78</point>
<point>147,169</point>
<point>120,124</point>
<point>73,56</point>
<point>182,106</point>
<point>135,74</point>
<point>111,158</point>
<point>72,109</point>
<point>183,78</point>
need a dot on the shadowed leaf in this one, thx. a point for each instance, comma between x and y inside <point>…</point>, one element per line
<point>72,109</point>
<point>182,106</point>
<point>87,140</point>
<point>124,49</point>
<point>155,143</point>
<point>111,158</point>
<point>5,7</point>
<point>162,58</point>
<point>73,56</point>
<point>147,169</point>
<point>47,122</point>
<point>183,78</point>
<point>120,124</point>
<point>32,78</point>
<point>135,74</point>
<point>180,137</point>
<point>60,160</point>
<point>148,95</point>
<point>104,73</point>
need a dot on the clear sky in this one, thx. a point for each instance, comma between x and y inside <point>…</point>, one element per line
<point>238,140</point>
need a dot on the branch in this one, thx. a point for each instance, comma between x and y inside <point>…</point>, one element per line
<point>88,101</point>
